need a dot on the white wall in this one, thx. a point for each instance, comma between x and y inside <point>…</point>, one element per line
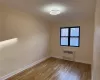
<point>84,53</point>
<point>32,44</point>
<point>96,54</point>
<point>0,23</point>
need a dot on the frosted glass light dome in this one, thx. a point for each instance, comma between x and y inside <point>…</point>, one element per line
<point>54,9</point>
<point>55,12</point>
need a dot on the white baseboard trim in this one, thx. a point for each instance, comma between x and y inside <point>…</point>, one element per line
<point>75,60</point>
<point>57,57</point>
<point>22,69</point>
<point>81,61</point>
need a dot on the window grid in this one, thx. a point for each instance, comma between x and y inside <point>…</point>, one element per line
<point>69,36</point>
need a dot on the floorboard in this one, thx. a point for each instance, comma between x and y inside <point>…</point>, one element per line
<point>56,69</point>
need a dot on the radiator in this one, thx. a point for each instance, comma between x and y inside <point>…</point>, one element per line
<point>69,55</point>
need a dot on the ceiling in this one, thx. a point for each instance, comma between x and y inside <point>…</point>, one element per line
<point>75,9</point>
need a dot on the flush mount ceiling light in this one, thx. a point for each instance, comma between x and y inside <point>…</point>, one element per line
<point>55,12</point>
<point>54,9</point>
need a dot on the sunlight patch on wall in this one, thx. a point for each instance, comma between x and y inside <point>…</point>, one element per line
<point>8,42</point>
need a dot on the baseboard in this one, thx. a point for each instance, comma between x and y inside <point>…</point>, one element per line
<point>57,57</point>
<point>85,62</point>
<point>22,69</point>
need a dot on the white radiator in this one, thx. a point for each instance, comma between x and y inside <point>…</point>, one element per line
<point>69,55</point>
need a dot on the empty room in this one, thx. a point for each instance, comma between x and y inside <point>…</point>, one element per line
<point>49,39</point>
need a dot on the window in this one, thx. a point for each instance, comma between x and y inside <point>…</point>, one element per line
<point>70,36</point>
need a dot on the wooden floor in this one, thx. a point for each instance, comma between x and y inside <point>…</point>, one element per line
<point>56,69</point>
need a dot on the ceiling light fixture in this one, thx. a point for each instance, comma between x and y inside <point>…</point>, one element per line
<point>55,12</point>
<point>54,9</point>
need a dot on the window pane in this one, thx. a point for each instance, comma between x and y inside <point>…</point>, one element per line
<point>74,32</point>
<point>74,41</point>
<point>64,32</point>
<point>64,41</point>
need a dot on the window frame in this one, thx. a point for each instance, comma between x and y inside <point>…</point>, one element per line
<point>69,32</point>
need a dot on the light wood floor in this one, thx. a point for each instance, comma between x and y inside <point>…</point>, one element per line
<point>56,69</point>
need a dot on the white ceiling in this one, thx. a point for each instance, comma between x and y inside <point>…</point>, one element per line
<point>76,9</point>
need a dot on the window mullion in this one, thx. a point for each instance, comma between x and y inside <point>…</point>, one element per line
<point>69,37</point>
